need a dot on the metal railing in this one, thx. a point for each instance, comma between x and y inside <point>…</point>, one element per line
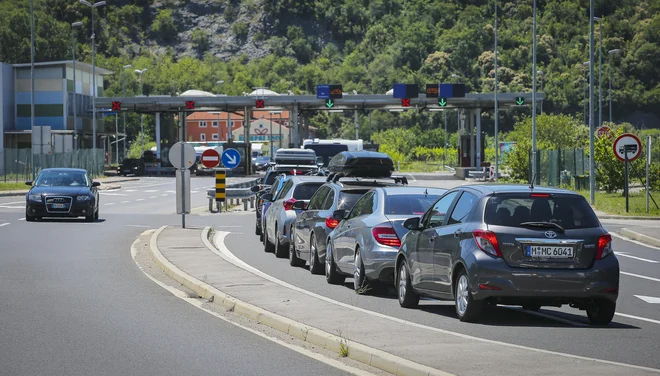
<point>18,165</point>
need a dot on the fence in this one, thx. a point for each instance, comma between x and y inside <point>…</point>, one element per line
<point>563,167</point>
<point>20,165</point>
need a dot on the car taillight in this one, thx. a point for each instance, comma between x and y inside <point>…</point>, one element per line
<point>544,195</point>
<point>487,242</point>
<point>288,204</point>
<point>331,222</point>
<point>386,235</point>
<point>604,246</point>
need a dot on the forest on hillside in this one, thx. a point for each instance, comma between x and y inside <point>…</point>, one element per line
<point>366,45</point>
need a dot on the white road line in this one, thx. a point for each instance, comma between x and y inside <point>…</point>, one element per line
<point>125,202</point>
<point>140,226</point>
<point>12,203</point>
<point>12,207</point>
<point>110,203</point>
<point>151,191</point>
<point>635,257</point>
<point>221,250</point>
<point>131,190</point>
<point>637,318</point>
<point>112,194</point>
<point>641,276</point>
<point>21,219</point>
<point>170,191</point>
<point>140,199</point>
<point>193,192</point>
<point>633,241</point>
<point>164,195</point>
<point>4,224</point>
<point>153,196</point>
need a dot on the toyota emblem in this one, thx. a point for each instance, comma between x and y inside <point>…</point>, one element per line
<point>550,234</point>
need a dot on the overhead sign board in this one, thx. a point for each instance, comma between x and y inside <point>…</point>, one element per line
<point>451,90</point>
<point>405,91</point>
<point>329,92</point>
<point>627,145</point>
<point>432,90</point>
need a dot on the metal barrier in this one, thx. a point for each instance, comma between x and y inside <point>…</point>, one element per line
<point>236,192</point>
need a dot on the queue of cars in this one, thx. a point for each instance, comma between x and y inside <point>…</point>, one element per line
<point>476,245</point>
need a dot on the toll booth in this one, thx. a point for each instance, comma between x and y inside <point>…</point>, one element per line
<point>466,150</point>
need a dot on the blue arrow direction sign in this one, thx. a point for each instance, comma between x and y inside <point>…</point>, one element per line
<point>231,158</point>
<point>107,112</point>
<point>322,91</point>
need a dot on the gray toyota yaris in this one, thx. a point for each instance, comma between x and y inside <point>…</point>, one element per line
<point>509,244</point>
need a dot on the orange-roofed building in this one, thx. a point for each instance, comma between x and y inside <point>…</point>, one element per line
<point>212,126</point>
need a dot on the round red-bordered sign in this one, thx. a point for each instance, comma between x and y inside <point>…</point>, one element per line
<point>627,140</point>
<point>210,158</point>
<point>604,132</point>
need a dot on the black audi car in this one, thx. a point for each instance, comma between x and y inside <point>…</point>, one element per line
<point>62,192</point>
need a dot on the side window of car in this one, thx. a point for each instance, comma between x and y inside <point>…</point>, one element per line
<point>463,208</point>
<point>436,216</point>
<point>363,206</point>
<point>285,189</point>
<point>316,202</point>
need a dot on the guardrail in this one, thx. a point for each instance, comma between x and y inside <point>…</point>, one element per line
<point>236,192</point>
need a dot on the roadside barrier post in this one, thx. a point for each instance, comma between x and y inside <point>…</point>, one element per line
<point>220,188</point>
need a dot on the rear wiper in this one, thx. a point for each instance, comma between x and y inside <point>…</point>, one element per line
<point>543,224</point>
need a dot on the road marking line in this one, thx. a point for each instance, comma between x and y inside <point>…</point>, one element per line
<point>641,276</point>
<point>140,199</point>
<point>110,203</point>
<point>226,254</point>
<point>649,299</point>
<point>140,226</point>
<point>193,192</point>
<point>131,190</point>
<point>125,202</point>
<point>164,195</point>
<point>112,194</point>
<point>21,219</point>
<point>153,196</point>
<point>637,318</point>
<point>170,191</point>
<point>547,316</point>
<point>633,241</point>
<point>151,191</point>
<point>12,207</point>
<point>4,224</point>
<point>12,203</point>
<point>624,254</point>
<point>199,303</point>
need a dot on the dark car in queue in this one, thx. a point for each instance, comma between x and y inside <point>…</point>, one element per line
<point>131,166</point>
<point>365,243</point>
<point>261,163</point>
<point>62,192</point>
<point>513,245</point>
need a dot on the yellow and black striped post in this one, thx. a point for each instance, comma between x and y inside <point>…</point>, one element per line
<point>220,185</point>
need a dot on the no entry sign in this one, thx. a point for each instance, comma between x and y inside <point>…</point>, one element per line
<point>627,144</point>
<point>210,158</point>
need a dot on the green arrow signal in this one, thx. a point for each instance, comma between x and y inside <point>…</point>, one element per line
<point>520,101</point>
<point>329,103</point>
<point>442,102</point>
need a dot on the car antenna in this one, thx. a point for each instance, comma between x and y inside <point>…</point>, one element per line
<point>426,192</point>
<point>531,183</point>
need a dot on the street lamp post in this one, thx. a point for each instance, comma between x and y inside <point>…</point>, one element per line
<point>123,82</point>
<point>270,143</point>
<point>73,52</point>
<point>540,73</point>
<point>220,82</point>
<point>94,90</point>
<point>609,68</point>
<point>32,87</point>
<point>534,166</point>
<point>584,73</point>
<point>592,163</point>
<point>497,114</point>
<point>600,70</point>
<point>141,72</point>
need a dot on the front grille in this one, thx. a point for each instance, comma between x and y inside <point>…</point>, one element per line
<point>58,204</point>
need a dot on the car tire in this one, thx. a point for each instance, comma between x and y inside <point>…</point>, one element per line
<point>332,276</point>
<point>314,266</point>
<point>361,284</point>
<point>29,218</point>
<point>268,246</point>
<point>257,230</point>
<point>96,215</point>
<point>294,260</point>
<point>281,251</point>
<point>408,298</point>
<point>467,308</point>
<point>90,218</point>
<point>601,312</point>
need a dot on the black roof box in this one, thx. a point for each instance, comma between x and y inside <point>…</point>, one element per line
<point>365,164</point>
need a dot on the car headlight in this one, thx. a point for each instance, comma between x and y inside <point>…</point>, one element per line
<point>34,197</point>
<point>83,198</point>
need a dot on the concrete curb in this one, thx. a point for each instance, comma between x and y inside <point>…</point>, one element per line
<point>373,357</point>
<point>640,237</point>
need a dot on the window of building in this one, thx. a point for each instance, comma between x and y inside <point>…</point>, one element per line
<point>202,137</point>
<point>215,136</point>
<point>202,124</point>
<point>215,124</point>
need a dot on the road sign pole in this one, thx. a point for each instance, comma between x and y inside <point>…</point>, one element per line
<point>625,178</point>
<point>183,172</point>
<point>648,165</point>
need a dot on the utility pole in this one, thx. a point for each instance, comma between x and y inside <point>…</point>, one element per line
<point>73,53</point>
<point>592,164</point>
<point>497,115</point>
<point>534,166</point>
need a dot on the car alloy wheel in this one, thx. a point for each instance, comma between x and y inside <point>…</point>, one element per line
<point>467,308</point>
<point>360,282</point>
<point>407,297</point>
<point>462,295</point>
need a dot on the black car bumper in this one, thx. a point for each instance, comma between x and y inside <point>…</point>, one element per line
<point>76,209</point>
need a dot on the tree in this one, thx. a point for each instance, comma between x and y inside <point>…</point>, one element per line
<point>200,39</point>
<point>164,25</point>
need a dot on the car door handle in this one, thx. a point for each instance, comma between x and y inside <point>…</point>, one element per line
<point>432,238</point>
<point>458,233</point>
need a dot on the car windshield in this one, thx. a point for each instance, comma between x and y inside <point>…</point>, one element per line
<point>61,179</point>
<point>306,191</point>
<point>263,159</point>
<point>298,171</point>
<point>570,212</point>
<point>409,204</point>
<point>347,199</point>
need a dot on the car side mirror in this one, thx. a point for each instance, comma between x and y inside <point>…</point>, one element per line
<point>300,205</point>
<point>96,184</point>
<point>256,188</point>
<point>28,183</point>
<point>412,224</point>
<point>339,214</point>
<point>260,181</point>
<point>267,197</point>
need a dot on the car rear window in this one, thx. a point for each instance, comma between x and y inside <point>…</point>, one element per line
<point>305,191</point>
<point>298,171</point>
<point>570,212</point>
<point>408,204</point>
<point>347,199</point>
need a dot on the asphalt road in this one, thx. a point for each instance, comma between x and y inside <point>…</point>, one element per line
<point>73,302</point>
<point>633,337</point>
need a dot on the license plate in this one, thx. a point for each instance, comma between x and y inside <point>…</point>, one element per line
<point>541,251</point>
<point>59,206</point>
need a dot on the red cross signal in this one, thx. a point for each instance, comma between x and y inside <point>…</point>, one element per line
<point>116,106</point>
<point>190,105</point>
<point>259,103</point>
<point>405,102</point>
